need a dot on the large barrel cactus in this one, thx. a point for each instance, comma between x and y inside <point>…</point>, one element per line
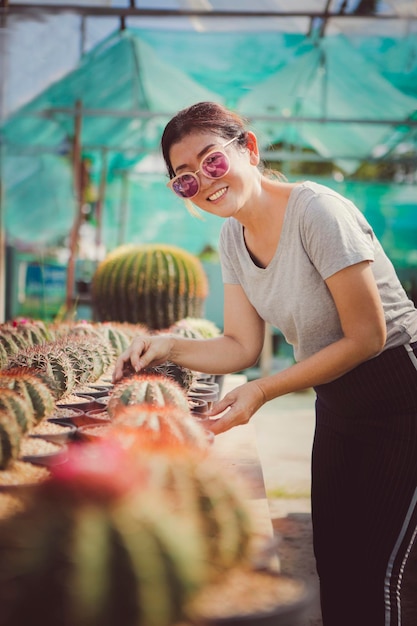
<point>120,538</point>
<point>91,551</point>
<point>151,284</point>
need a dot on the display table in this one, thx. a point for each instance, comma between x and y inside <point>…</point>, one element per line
<point>237,452</point>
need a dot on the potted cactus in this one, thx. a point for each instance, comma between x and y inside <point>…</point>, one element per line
<point>108,541</point>
<point>150,284</point>
<point>148,389</point>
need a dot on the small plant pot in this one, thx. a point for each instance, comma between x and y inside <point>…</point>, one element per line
<point>101,414</point>
<point>209,395</point>
<point>202,377</point>
<point>87,403</point>
<point>96,392</point>
<point>289,608</point>
<point>83,419</point>
<point>54,457</point>
<point>92,432</point>
<point>197,405</point>
<point>204,386</point>
<point>62,434</point>
<point>102,402</point>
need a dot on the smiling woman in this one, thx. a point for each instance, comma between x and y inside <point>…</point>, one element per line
<point>304,259</point>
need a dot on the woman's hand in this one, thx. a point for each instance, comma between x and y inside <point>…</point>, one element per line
<point>144,351</point>
<point>239,406</point>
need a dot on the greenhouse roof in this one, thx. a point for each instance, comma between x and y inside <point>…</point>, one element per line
<point>339,84</point>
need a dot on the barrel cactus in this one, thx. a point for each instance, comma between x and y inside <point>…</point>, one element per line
<point>19,406</point>
<point>90,552</point>
<point>147,389</point>
<point>28,385</point>
<point>10,436</point>
<point>151,284</point>
<point>49,359</point>
<point>162,426</point>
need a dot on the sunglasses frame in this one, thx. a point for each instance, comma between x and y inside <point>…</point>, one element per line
<point>194,174</point>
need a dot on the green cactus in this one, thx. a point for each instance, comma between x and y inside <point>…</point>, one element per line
<point>11,340</point>
<point>196,327</point>
<point>90,355</point>
<point>29,386</point>
<point>19,407</point>
<point>182,375</point>
<point>162,426</point>
<point>84,554</point>
<point>119,335</point>
<point>151,284</point>
<point>50,359</point>
<point>217,500</point>
<point>10,436</point>
<point>3,356</point>
<point>147,389</point>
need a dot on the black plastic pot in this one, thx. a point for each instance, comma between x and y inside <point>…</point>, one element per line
<point>289,613</point>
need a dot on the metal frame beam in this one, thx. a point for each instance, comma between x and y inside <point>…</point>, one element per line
<point>96,11</point>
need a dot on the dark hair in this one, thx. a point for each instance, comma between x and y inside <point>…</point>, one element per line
<point>202,117</point>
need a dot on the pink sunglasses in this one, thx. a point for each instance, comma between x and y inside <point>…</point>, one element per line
<point>215,164</point>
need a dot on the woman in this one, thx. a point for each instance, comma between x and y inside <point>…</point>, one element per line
<point>303,258</point>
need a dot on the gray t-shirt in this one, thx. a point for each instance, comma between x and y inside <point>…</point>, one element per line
<point>322,233</point>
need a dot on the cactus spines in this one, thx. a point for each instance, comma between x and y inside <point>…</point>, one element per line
<point>151,284</point>
<point>50,359</point>
<point>10,436</point>
<point>147,389</point>
<point>28,384</point>
<point>162,426</point>
<point>97,561</point>
<point>18,406</point>
<point>182,375</point>
<point>199,328</point>
<point>3,356</point>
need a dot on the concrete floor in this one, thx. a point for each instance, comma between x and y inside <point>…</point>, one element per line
<point>285,429</point>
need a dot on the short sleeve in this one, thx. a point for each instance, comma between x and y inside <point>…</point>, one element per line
<point>335,234</point>
<point>229,274</point>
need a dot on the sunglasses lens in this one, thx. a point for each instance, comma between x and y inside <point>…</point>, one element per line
<point>215,165</point>
<point>186,186</point>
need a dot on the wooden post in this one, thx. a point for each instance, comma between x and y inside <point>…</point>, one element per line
<point>100,199</point>
<point>124,207</point>
<point>79,195</point>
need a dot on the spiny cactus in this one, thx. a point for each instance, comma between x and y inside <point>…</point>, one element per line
<point>147,389</point>
<point>120,335</point>
<point>50,359</point>
<point>153,284</point>
<point>196,328</point>
<point>19,406</point>
<point>11,340</point>
<point>29,385</point>
<point>195,486</point>
<point>10,436</point>
<point>83,554</point>
<point>32,332</point>
<point>90,355</point>
<point>162,425</point>
<point>3,356</point>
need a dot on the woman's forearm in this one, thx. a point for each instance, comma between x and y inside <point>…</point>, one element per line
<point>326,365</point>
<point>219,355</point>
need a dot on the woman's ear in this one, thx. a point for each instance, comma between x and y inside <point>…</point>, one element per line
<point>252,146</point>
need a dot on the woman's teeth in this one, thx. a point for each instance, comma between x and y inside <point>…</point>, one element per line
<point>218,194</point>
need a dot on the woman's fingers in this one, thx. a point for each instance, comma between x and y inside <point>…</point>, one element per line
<point>142,352</point>
<point>236,408</point>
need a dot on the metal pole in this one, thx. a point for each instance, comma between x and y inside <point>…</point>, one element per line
<point>3,73</point>
<point>79,193</point>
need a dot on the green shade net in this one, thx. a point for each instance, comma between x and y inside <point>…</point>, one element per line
<point>156,73</point>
